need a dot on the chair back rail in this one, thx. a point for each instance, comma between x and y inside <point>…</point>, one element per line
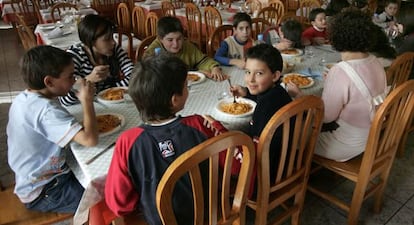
<point>218,35</point>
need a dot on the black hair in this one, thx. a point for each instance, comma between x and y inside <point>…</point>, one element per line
<point>155,80</point>
<point>292,30</point>
<point>267,54</point>
<point>336,6</point>
<point>169,24</point>
<point>382,47</point>
<point>42,61</point>
<point>240,17</point>
<point>391,2</point>
<point>314,12</point>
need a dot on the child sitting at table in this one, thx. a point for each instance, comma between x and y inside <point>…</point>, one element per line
<point>387,18</point>
<point>40,129</point>
<point>316,34</point>
<point>143,153</point>
<point>170,39</point>
<point>233,49</point>
<point>263,71</point>
<point>286,36</point>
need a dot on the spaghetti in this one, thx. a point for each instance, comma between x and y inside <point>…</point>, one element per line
<point>193,77</point>
<point>237,108</point>
<point>107,122</point>
<point>113,94</point>
<point>299,80</point>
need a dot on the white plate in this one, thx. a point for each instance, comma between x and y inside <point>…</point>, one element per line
<point>239,100</point>
<point>46,26</point>
<point>117,128</point>
<point>298,53</point>
<point>201,76</point>
<point>305,86</point>
<point>102,100</point>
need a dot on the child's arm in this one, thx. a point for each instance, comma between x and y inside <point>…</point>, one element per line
<point>221,54</point>
<point>88,136</point>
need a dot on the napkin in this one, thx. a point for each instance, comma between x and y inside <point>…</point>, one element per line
<point>57,32</point>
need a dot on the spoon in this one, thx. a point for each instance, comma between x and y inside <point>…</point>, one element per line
<point>234,97</point>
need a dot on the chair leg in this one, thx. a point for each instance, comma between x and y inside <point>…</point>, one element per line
<point>401,146</point>
<point>356,203</point>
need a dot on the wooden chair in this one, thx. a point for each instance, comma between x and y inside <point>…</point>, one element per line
<point>13,212</point>
<point>138,22</point>
<point>398,73</point>
<point>305,7</point>
<point>271,14</point>
<point>301,121</point>
<point>25,33</point>
<point>218,35</point>
<point>151,24</point>
<point>370,170</point>
<point>253,5</point>
<point>39,5</point>
<point>194,29</point>
<point>124,29</point>
<point>167,8</point>
<point>106,8</point>
<point>278,5</point>
<point>212,19</point>
<point>142,47</point>
<point>291,16</point>
<point>60,8</point>
<point>259,25</point>
<point>229,209</point>
<point>100,214</point>
<point>26,10</point>
<point>178,3</point>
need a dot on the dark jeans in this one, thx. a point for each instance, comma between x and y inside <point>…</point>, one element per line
<point>61,195</point>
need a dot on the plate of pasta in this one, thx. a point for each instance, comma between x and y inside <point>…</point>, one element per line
<point>243,107</point>
<point>300,80</point>
<point>109,123</point>
<point>291,52</point>
<point>194,77</point>
<point>112,95</point>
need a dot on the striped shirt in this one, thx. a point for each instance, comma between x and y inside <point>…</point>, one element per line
<point>84,67</point>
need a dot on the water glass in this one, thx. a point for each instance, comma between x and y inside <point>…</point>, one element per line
<point>309,52</point>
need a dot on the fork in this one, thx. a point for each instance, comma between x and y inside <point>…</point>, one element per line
<point>234,97</point>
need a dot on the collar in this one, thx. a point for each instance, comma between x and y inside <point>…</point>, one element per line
<point>320,30</point>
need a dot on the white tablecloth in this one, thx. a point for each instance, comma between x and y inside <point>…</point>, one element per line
<point>69,37</point>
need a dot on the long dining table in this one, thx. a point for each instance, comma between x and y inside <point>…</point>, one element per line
<point>203,98</point>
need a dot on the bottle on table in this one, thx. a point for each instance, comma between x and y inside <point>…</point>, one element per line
<point>259,40</point>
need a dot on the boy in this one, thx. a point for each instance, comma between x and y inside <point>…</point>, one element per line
<point>142,154</point>
<point>233,49</point>
<point>43,180</point>
<point>263,68</point>
<point>171,39</point>
<point>387,18</point>
<point>286,36</point>
<point>316,34</point>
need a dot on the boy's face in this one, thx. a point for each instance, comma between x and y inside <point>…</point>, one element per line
<point>320,21</point>
<point>258,76</point>
<point>104,45</point>
<point>173,42</point>
<point>391,9</point>
<point>61,86</point>
<point>243,31</point>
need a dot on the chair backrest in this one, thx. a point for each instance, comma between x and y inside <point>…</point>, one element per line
<point>278,5</point>
<point>400,70</point>
<point>291,16</point>
<point>138,22</point>
<point>167,8</point>
<point>26,34</point>
<point>253,5</point>
<point>259,25</point>
<point>106,8</point>
<point>306,6</point>
<point>178,3</point>
<point>124,17</point>
<point>218,35</point>
<point>26,9</point>
<point>143,46</point>
<point>194,29</point>
<point>41,4</point>
<point>300,122</point>
<point>271,14</point>
<point>223,207</point>
<point>15,212</point>
<point>212,19</point>
<point>59,9</point>
<point>151,24</point>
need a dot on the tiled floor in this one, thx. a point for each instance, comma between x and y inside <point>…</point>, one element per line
<point>398,206</point>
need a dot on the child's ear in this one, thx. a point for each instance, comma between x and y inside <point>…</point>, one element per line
<point>276,76</point>
<point>174,100</point>
<point>48,81</point>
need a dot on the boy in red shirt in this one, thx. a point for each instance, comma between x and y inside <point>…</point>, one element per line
<point>316,34</point>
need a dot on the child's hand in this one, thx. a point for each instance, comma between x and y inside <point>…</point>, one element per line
<point>86,91</point>
<point>209,118</point>
<point>238,91</point>
<point>99,73</point>
<point>217,74</point>
<point>293,90</point>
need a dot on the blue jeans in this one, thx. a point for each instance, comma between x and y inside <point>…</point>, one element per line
<point>61,195</point>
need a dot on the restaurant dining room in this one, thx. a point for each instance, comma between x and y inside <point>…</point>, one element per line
<point>279,170</point>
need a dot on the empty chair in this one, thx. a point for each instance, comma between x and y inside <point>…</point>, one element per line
<point>278,5</point>
<point>58,10</point>
<point>106,8</point>
<point>369,171</point>
<point>259,25</point>
<point>25,9</point>
<point>305,7</point>
<point>212,19</point>
<point>194,29</point>
<point>218,35</point>
<point>270,14</point>
<point>301,121</point>
<point>124,31</point>
<point>253,6</point>
<point>25,33</point>
<point>40,5</point>
<point>167,8</point>
<point>215,201</point>
<point>138,22</point>
<point>151,24</point>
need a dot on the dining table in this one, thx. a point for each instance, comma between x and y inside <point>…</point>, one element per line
<point>90,164</point>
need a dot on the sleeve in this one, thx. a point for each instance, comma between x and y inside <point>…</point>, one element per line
<point>70,98</point>
<point>221,55</point>
<point>380,20</point>
<point>335,93</point>
<point>308,34</point>
<point>202,62</point>
<point>126,66</point>
<point>150,50</point>
<point>120,194</point>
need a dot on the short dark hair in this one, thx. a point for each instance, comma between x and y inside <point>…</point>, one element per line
<point>240,17</point>
<point>391,2</point>
<point>155,80</point>
<point>314,12</point>
<point>292,30</point>
<point>169,24</point>
<point>42,61</point>
<point>267,54</point>
<point>92,27</point>
<point>336,6</point>
<point>352,30</point>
